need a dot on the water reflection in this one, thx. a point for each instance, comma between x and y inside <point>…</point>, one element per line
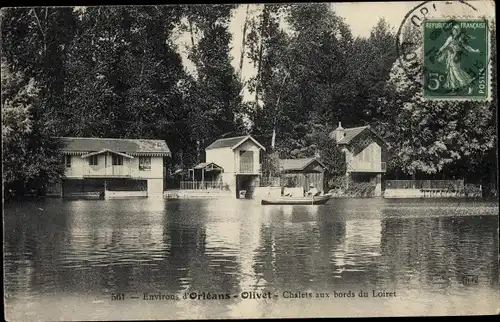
<point>57,247</point>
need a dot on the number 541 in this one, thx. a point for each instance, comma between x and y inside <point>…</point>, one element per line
<point>434,81</point>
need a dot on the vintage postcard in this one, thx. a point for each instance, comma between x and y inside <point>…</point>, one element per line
<point>253,160</point>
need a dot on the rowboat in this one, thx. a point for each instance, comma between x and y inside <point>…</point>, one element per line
<point>318,200</point>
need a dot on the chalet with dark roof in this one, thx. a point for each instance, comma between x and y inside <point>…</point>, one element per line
<point>304,172</point>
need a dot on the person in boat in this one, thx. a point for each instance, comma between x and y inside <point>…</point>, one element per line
<point>312,191</point>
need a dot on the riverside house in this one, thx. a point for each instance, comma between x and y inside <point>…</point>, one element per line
<point>304,171</point>
<point>234,163</point>
<point>365,154</point>
<point>112,168</point>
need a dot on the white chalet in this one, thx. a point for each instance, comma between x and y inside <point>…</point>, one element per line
<point>239,159</point>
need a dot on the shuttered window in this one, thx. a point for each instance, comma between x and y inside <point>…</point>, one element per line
<point>117,160</point>
<point>145,163</point>
<point>67,161</point>
<point>93,160</point>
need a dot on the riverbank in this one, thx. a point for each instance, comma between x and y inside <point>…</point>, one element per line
<point>258,193</point>
<point>197,194</point>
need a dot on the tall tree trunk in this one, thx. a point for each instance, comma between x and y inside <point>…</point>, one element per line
<point>243,43</point>
<point>193,46</point>
<point>263,24</point>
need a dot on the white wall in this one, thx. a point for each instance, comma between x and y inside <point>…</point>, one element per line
<point>223,157</point>
<point>77,166</point>
<point>155,187</point>
<point>368,160</point>
<point>156,171</point>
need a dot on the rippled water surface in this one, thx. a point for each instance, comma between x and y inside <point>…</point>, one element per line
<point>63,259</point>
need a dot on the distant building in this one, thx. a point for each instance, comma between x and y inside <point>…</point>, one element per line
<point>112,167</point>
<point>365,153</point>
<point>237,162</point>
<point>304,171</point>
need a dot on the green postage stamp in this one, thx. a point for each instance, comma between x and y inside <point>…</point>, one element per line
<point>456,59</point>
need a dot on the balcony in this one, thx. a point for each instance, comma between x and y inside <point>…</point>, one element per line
<point>249,168</point>
<point>360,166</point>
<point>113,171</point>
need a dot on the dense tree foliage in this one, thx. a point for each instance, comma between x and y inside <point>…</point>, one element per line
<point>118,72</point>
<point>30,156</point>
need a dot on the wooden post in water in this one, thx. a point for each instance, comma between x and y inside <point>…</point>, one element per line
<point>202,177</point>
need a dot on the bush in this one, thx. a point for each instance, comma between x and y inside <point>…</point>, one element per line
<point>350,188</point>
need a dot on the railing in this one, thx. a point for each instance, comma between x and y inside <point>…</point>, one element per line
<point>201,185</point>
<point>109,171</point>
<point>246,167</point>
<point>425,184</point>
<point>360,166</point>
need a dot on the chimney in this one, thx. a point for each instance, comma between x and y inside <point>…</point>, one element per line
<point>339,133</point>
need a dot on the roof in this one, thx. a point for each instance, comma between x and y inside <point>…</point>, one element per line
<point>350,134</point>
<point>232,142</point>
<point>209,165</point>
<point>130,146</point>
<point>297,164</point>
<point>106,150</point>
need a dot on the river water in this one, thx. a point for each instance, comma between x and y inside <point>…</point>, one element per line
<point>67,259</point>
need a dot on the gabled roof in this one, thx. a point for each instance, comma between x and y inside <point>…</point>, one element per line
<point>351,133</point>
<point>104,151</point>
<point>86,145</point>
<point>208,165</point>
<point>298,164</point>
<point>233,142</point>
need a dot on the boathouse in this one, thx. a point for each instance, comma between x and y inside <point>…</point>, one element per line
<point>112,168</point>
<point>303,172</point>
<point>365,154</point>
<point>238,160</point>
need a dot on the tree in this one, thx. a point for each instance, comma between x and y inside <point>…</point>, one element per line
<point>35,41</point>
<point>432,136</point>
<point>30,158</point>
<point>371,63</point>
<point>214,96</point>
<point>302,76</point>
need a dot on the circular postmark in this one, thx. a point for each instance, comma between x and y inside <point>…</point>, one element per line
<point>443,47</point>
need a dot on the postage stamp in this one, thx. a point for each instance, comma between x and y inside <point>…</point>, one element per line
<point>456,58</point>
<point>444,48</point>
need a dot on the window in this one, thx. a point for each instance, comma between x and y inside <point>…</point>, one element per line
<point>145,163</point>
<point>93,160</point>
<point>246,162</point>
<point>117,160</point>
<point>67,161</point>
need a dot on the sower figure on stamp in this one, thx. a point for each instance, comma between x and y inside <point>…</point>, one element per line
<point>456,77</point>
